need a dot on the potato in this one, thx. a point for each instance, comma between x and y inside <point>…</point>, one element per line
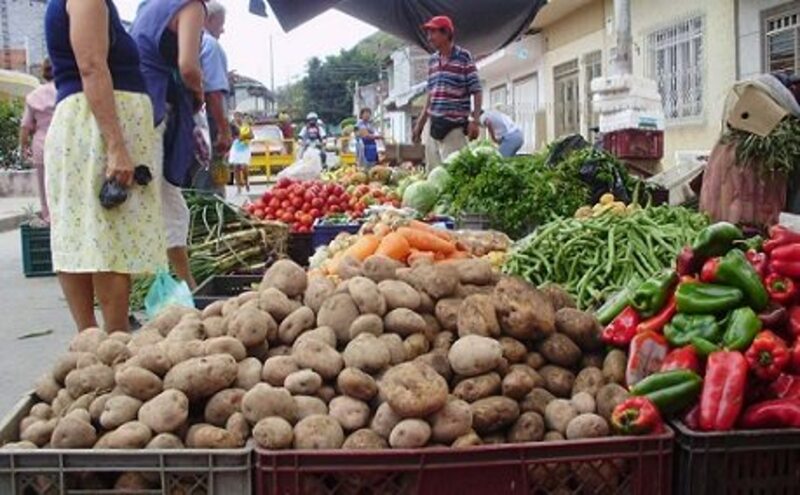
<point>318,432</point>
<point>477,316</point>
<point>474,355</point>
<point>145,337</point>
<point>62,402</point>
<point>303,382</point>
<point>535,360</point>
<point>47,388</point>
<point>273,433</point>
<point>558,296</point>
<point>277,304</point>
<point>413,390</point>
<point>238,425</point>
<point>222,405</point>
<point>277,368</point>
<point>187,329</point>
<point>308,406</point>
<point>338,312</point>
<point>87,340</point>
<point>581,327</point>
<point>608,397</point>
<point>438,281</point>
<point>203,436</point>
<point>170,317</point>
<point>553,436</point>
<point>447,313</point>
<point>355,383</point>
<point>518,383</point>
<point>118,411</point>
<point>248,373</point>
<point>318,356</point>
<point>325,334</point>
<point>404,322</point>
<point>451,421</point>
<point>614,366</point>
<point>138,382</point>
<point>131,435</point>
<point>166,441</point>
<point>166,412</point>
<point>471,439</point>
<point>410,434</point>
<point>152,358</point>
<point>112,352</point>
<point>366,296</point>
<point>426,304</point>
<point>558,349</point>
<point>394,344</point>
<point>399,294</point>
<point>21,445</point>
<point>557,380</point>
<point>529,427</point>
<point>121,336</point>
<point>366,353</point>
<point>229,308</point>
<point>514,351</point>
<point>443,341</point>
<point>416,345</point>
<point>292,326</point>
<point>41,411</point>
<point>583,402</point>
<point>587,426</point>
<point>40,432</point>
<point>202,377</point>
<point>97,378</point>
<point>478,387</point>
<point>379,268</point>
<point>364,439</point>
<point>27,421</point>
<point>98,405</point>
<point>493,414</point>
<point>371,324</point>
<point>79,414</point>
<point>251,326</point>
<point>384,420</point>
<point>86,359</point>
<point>225,345</point>
<point>351,413</point>
<point>588,380</point>
<point>558,414</point>
<point>64,364</point>
<point>71,433</point>
<point>286,276</point>
<point>178,352</point>
<point>213,309</point>
<point>524,312</point>
<point>262,401</point>
<point>214,326</point>
<point>438,361</point>
<point>476,271</point>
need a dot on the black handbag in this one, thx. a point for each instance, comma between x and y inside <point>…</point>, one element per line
<point>441,127</point>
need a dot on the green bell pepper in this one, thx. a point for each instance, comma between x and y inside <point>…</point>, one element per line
<point>705,299</point>
<point>680,331</point>
<point>671,391</point>
<point>650,296</point>
<point>716,240</point>
<point>743,325</point>
<point>613,306</point>
<point>703,347</point>
<point>734,270</point>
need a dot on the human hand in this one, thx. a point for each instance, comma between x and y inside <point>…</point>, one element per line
<point>120,167</point>
<point>223,142</point>
<point>473,131</point>
<point>416,136</point>
<point>198,100</point>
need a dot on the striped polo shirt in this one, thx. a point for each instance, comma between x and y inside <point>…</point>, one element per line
<point>451,82</point>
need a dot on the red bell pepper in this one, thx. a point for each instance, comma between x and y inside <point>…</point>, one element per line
<point>778,413</point>
<point>794,357</point>
<point>657,322</point>
<point>622,329</point>
<point>723,390</point>
<point>794,321</point>
<point>692,417</point>
<point>780,236</point>
<point>785,387</point>
<point>636,416</point>
<point>647,352</point>
<point>682,358</point>
<point>785,260</point>
<point>781,290</point>
<point>759,261</point>
<point>767,356</point>
<point>709,271</point>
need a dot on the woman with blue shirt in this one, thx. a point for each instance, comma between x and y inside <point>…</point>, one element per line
<point>366,140</point>
<point>102,128</point>
<point>503,131</point>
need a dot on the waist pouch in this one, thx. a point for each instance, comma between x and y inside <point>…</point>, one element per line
<point>441,127</point>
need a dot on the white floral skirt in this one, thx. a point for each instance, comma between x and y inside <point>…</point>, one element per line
<point>85,237</point>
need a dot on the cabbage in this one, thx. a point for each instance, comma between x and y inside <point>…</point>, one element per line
<point>422,196</point>
<point>439,177</point>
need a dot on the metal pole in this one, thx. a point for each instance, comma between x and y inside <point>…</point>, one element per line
<point>271,66</point>
<point>622,19</point>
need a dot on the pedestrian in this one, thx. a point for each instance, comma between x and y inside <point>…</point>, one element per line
<point>39,106</point>
<point>240,154</point>
<point>168,34</point>
<point>366,140</point>
<point>454,98</point>
<point>503,131</point>
<point>102,127</point>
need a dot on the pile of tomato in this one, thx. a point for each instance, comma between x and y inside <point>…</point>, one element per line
<point>299,203</point>
<point>363,196</point>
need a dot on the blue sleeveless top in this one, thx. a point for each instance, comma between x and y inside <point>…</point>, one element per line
<point>123,57</point>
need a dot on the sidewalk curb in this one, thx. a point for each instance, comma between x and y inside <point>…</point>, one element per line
<point>13,222</point>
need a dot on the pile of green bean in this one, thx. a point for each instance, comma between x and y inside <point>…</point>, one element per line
<point>593,258</point>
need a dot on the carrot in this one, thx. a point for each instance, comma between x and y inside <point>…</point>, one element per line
<point>420,257</point>
<point>364,247</point>
<point>394,246</point>
<point>426,241</point>
<point>381,230</point>
<point>417,225</point>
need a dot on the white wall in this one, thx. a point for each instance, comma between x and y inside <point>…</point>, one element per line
<point>751,48</point>
<point>26,21</point>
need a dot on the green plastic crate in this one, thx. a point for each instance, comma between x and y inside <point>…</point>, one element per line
<point>37,259</point>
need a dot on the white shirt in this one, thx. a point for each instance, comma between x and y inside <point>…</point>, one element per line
<point>501,123</point>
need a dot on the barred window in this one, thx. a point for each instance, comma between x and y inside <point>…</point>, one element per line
<point>782,42</point>
<point>675,62</point>
<point>592,69</point>
<point>567,99</point>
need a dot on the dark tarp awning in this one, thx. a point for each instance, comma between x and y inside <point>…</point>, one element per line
<point>482,26</point>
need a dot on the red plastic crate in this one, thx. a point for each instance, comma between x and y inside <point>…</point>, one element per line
<point>635,144</point>
<point>614,465</point>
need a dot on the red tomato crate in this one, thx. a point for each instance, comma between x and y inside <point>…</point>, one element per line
<point>613,465</point>
<point>635,144</point>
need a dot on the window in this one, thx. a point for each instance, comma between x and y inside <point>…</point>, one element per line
<point>782,41</point>
<point>567,105</point>
<point>526,98</point>
<point>592,68</point>
<point>498,96</point>
<point>676,64</point>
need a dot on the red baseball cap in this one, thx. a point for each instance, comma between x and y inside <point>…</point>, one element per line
<point>440,22</point>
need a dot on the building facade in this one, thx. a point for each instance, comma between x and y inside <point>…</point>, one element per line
<point>407,70</point>
<point>22,40</point>
<point>768,36</point>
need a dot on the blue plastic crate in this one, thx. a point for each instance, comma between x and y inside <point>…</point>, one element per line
<point>37,259</point>
<point>324,234</point>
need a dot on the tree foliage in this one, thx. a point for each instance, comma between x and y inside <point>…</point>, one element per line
<point>330,84</point>
<point>10,115</point>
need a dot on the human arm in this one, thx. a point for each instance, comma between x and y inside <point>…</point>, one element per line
<point>189,28</point>
<point>215,103</point>
<point>490,128</point>
<point>26,129</point>
<point>88,34</point>
<point>474,89</point>
<point>421,121</point>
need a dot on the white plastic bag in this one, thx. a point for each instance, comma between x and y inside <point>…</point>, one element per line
<point>308,167</point>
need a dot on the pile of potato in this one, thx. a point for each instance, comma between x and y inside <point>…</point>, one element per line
<point>450,354</point>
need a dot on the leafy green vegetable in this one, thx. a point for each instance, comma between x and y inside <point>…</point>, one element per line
<point>439,177</point>
<point>778,152</point>
<point>422,196</point>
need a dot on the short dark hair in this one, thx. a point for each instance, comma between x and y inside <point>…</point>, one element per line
<point>363,111</point>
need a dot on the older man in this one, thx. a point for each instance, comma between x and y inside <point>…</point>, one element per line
<point>454,90</point>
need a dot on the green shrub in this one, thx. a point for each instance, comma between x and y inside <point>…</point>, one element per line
<point>10,115</point>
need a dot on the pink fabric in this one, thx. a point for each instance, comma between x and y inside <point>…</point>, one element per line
<point>39,106</point>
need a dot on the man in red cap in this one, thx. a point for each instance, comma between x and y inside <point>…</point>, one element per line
<point>454,95</point>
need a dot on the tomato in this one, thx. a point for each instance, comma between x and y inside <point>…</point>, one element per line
<point>308,195</point>
<point>298,215</point>
<point>307,207</point>
<point>259,213</point>
<point>285,204</point>
<point>335,208</point>
<point>306,220</point>
<point>315,213</point>
<point>267,196</point>
<point>339,190</point>
<point>330,188</point>
<point>317,202</point>
<point>284,183</point>
<point>259,204</point>
<point>287,218</point>
<point>297,202</point>
<point>279,213</point>
<point>297,190</point>
<point>303,229</point>
<point>281,194</point>
<point>377,193</point>
<point>274,203</point>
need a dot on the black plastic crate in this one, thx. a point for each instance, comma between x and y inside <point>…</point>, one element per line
<point>301,247</point>
<point>37,258</point>
<point>324,234</point>
<point>762,462</point>
<point>221,287</point>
